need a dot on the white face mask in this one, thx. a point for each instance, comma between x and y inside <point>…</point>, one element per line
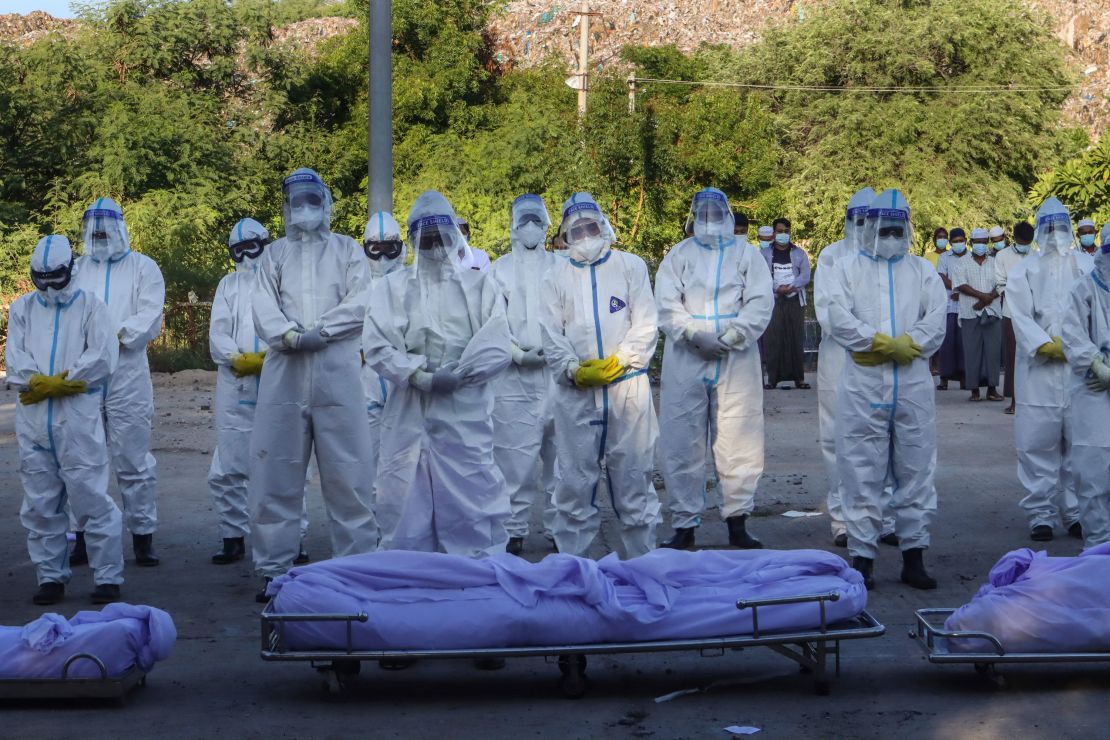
<point>531,235</point>
<point>890,247</point>
<point>382,267</point>
<point>307,217</point>
<point>1058,241</point>
<point>709,233</point>
<point>100,249</point>
<point>588,250</point>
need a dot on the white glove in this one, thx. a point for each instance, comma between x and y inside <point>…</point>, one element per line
<point>734,339</point>
<point>1098,378</point>
<point>708,345</point>
<point>421,381</point>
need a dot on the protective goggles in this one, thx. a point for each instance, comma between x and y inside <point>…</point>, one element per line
<point>58,278</point>
<point>247,249</point>
<point>528,218</point>
<point>99,235</point>
<point>586,229</point>
<point>376,250</point>
<point>306,198</point>
<point>897,231</point>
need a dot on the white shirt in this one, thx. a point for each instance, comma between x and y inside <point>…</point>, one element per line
<point>968,271</point>
<point>944,267</point>
<point>1004,263</point>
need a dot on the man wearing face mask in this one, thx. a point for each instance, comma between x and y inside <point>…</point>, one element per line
<point>939,246</point>
<point>600,333</point>
<point>766,236</point>
<point>830,365</point>
<point>309,306</point>
<point>1038,294</point>
<point>887,308</point>
<point>951,355</point>
<point>980,317</point>
<point>1005,263</point>
<point>784,342</point>
<point>131,285</point>
<point>1086,233</point>
<point>714,301</point>
<point>61,349</point>
<point>997,240</point>
<point>524,427</point>
<point>437,333</point>
<point>1086,335</point>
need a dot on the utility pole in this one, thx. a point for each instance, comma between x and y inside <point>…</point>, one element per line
<point>380,118</point>
<point>583,57</point>
<point>632,92</point>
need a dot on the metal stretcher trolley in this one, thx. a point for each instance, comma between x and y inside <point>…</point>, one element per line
<point>811,649</point>
<point>105,687</point>
<point>933,638</point>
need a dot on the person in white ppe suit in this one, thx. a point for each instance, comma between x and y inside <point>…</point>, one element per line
<point>132,287</point>
<point>600,333</point>
<point>309,307</point>
<point>61,349</point>
<point>1037,293</point>
<point>386,252</point>
<point>1086,336</point>
<point>524,427</point>
<point>238,354</point>
<point>887,307</point>
<point>471,258</point>
<point>437,332</point>
<point>714,298</point>
<point>831,358</point>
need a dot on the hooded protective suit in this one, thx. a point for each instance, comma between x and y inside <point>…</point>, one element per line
<point>1037,293</point>
<point>709,287</point>
<point>438,334</point>
<point>1086,335</point>
<point>831,357</point>
<point>886,413</point>
<point>524,427</point>
<point>382,232</point>
<point>309,306</point>
<point>598,304</point>
<point>63,455</point>
<point>132,287</point>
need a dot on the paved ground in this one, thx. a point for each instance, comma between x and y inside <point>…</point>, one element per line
<point>215,684</point>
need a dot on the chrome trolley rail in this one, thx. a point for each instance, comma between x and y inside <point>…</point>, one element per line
<point>64,687</point>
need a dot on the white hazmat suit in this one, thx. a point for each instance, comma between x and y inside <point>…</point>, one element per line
<point>1086,335</point>
<point>598,305</point>
<point>438,334</point>
<point>524,427</point>
<point>714,297</point>
<point>132,287</point>
<point>62,447</point>
<point>309,306</point>
<point>1038,296</point>
<point>886,413</point>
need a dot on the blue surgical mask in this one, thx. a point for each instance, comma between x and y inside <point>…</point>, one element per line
<point>782,239</point>
<point>998,246</point>
<point>959,247</point>
<point>1087,240</point>
<point>1021,248</point>
<point>979,249</point>
<point>941,243</point>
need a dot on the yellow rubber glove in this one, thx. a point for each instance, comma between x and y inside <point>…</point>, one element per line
<point>42,387</point>
<point>904,350</point>
<point>1053,350</point>
<point>248,363</point>
<point>598,373</point>
<point>34,393</point>
<point>870,359</point>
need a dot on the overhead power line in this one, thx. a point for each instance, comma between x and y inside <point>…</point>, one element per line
<point>978,89</point>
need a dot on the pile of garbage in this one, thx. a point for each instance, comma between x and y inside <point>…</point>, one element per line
<point>1084,27</point>
<point>24,29</point>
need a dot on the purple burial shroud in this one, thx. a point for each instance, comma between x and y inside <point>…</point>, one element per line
<point>121,635</point>
<point>1038,604</point>
<point>432,601</point>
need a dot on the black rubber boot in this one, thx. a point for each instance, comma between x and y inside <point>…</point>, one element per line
<point>143,544</point>
<point>738,534</point>
<point>1076,531</point>
<point>1041,533</point>
<point>866,568</point>
<point>913,570</point>
<point>234,550</point>
<point>682,539</point>
<point>105,593</point>
<point>890,539</point>
<point>515,546</point>
<point>261,596</point>
<point>302,557</point>
<point>50,592</point>
<point>841,540</point>
<point>78,555</point>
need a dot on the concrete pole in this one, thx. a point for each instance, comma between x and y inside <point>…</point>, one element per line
<point>583,57</point>
<point>380,130</point>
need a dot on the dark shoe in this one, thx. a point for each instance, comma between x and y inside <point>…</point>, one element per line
<point>1041,533</point>
<point>802,386</point>
<point>50,592</point>
<point>261,596</point>
<point>234,550</point>
<point>913,570</point>
<point>682,539</point>
<point>738,534</point>
<point>769,387</point>
<point>489,664</point>
<point>105,593</point>
<point>942,385</point>
<point>1076,531</point>
<point>143,544</point>
<point>1009,410</point>
<point>974,396</point>
<point>889,539</point>
<point>841,540</point>
<point>866,568</point>
<point>515,546</point>
<point>78,555</point>
<point>302,557</point>
<point>992,395</point>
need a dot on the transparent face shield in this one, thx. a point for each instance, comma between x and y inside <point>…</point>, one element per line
<point>437,239</point>
<point>887,233</point>
<point>530,223</point>
<point>104,234</point>
<point>585,236</point>
<point>308,202</point>
<point>710,217</point>
<point>854,223</point>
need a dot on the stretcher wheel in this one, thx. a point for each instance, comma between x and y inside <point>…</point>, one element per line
<point>575,685</point>
<point>339,677</point>
<point>822,688</point>
<point>567,662</point>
